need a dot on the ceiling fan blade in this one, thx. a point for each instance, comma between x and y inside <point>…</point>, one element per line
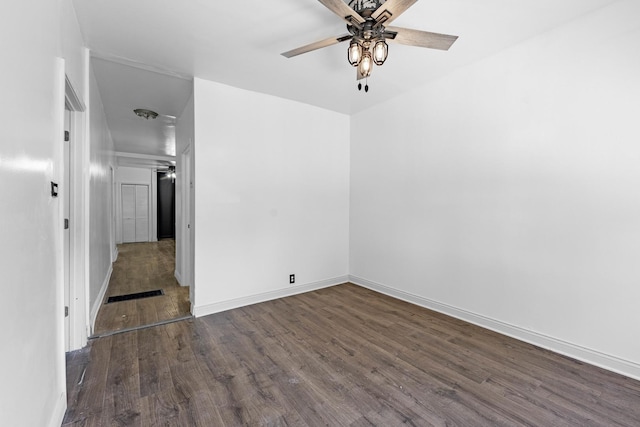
<point>317,45</point>
<point>341,9</point>
<point>390,10</point>
<point>420,38</point>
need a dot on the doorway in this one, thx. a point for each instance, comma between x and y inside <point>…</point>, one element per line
<point>142,290</point>
<point>166,205</point>
<point>143,145</point>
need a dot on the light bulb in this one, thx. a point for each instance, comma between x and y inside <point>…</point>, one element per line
<point>380,52</point>
<point>354,53</point>
<point>365,64</point>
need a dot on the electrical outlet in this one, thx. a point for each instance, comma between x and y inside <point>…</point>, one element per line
<point>292,278</point>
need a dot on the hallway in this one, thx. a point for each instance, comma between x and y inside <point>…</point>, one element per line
<point>143,267</point>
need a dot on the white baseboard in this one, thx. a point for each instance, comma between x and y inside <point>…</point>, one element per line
<point>98,302</point>
<point>58,412</point>
<point>178,277</point>
<point>593,357</point>
<point>204,310</point>
<point>114,255</point>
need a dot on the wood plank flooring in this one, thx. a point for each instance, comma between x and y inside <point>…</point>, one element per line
<point>143,267</point>
<point>341,356</point>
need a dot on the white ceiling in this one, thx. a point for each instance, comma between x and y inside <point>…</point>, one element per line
<point>124,88</point>
<point>239,43</point>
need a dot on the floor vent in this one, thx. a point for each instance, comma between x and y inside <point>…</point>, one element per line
<point>137,295</point>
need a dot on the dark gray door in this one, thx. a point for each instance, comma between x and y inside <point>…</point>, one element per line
<point>166,206</point>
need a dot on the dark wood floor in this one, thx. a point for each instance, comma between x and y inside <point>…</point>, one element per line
<point>143,267</point>
<point>342,356</point>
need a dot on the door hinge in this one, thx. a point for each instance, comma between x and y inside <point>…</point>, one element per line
<point>66,136</point>
<point>66,311</point>
<point>66,223</point>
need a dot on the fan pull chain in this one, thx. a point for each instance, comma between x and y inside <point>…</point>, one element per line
<point>366,86</point>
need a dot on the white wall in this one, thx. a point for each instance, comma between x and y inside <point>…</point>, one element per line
<point>72,46</point>
<point>141,176</point>
<point>184,214</point>
<point>507,191</point>
<point>32,390</point>
<point>100,201</point>
<point>272,196</point>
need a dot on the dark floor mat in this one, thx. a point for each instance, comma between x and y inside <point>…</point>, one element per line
<point>137,295</point>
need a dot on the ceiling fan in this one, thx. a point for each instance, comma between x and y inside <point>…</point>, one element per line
<point>368,31</point>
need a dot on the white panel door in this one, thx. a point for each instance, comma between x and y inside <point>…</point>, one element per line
<point>142,213</point>
<point>128,213</point>
<point>135,213</point>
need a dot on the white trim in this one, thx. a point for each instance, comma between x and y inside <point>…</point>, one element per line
<point>112,211</point>
<point>57,417</point>
<point>78,290</point>
<point>84,206</point>
<point>98,302</point>
<point>115,254</point>
<point>186,258</point>
<point>59,324</point>
<point>153,198</point>
<point>145,157</point>
<point>140,65</point>
<point>71,96</point>
<point>218,307</point>
<point>584,354</point>
<point>178,277</point>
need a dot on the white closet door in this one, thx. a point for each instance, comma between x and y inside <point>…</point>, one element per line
<point>135,213</point>
<point>128,213</point>
<point>142,213</point>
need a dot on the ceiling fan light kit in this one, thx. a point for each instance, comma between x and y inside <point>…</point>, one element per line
<point>368,34</point>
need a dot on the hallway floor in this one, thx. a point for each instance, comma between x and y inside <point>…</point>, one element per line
<point>143,267</point>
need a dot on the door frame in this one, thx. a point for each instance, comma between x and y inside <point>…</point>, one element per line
<point>66,200</point>
<point>76,334</point>
<point>112,208</point>
<point>187,225</point>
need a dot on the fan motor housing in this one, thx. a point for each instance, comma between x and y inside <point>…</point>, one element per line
<point>365,8</point>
